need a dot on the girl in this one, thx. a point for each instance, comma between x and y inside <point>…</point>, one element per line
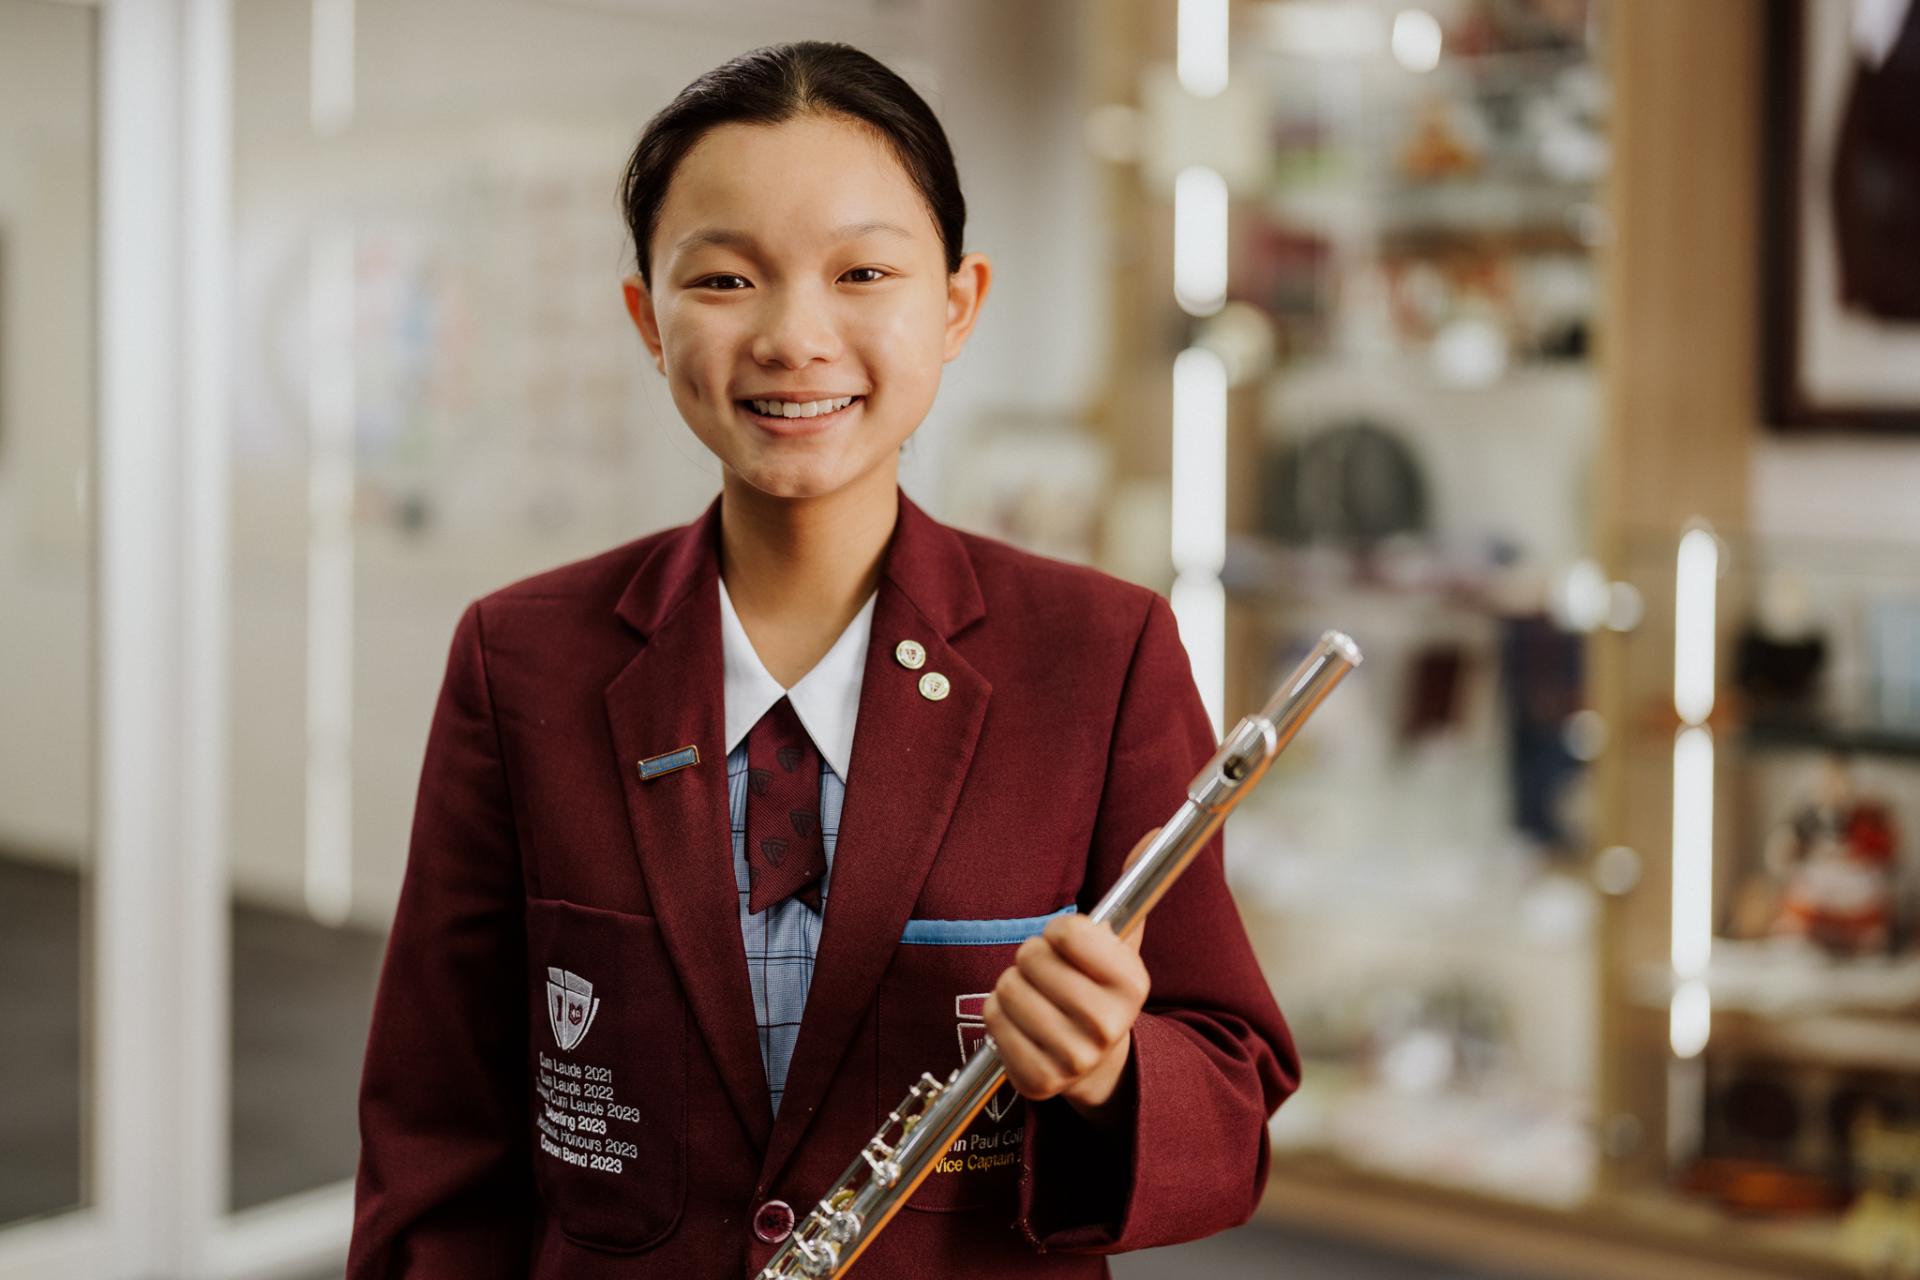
<point>727,834</point>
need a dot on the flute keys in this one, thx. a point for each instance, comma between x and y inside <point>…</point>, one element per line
<point>822,1257</point>
<point>842,1227</point>
<point>885,1171</point>
<point>934,686</point>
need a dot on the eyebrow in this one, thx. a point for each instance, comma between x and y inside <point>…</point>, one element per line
<point>728,236</point>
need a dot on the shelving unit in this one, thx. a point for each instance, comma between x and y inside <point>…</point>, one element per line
<point>1430,283</point>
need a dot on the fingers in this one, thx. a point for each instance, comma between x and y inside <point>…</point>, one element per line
<point>1033,1072</point>
<point>1066,1005</point>
<point>1057,1051</point>
<point>1077,943</point>
<point>1101,1012</point>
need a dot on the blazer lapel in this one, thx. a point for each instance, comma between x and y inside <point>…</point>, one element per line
<point>910,757</point>
<point>671,696</point>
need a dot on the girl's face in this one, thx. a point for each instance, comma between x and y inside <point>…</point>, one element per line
<point>798,263</point>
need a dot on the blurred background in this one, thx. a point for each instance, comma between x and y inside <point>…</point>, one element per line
<point>1565,352</point>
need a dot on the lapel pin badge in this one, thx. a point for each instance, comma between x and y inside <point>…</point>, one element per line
<point>654,766</point>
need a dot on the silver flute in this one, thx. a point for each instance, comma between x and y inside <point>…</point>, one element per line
<point>827,1241</point>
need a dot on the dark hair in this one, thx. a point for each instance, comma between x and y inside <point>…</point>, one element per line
<point>776,83</point>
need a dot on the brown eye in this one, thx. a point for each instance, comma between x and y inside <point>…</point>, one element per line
<point>879,275</point>
<point>702,284</point>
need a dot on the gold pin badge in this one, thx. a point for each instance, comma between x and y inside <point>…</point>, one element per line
<point>934,686</point>
<point>911,655</point>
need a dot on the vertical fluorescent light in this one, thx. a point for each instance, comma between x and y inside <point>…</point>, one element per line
<point>1199,518</point>
<point>1686,1109</point>
<point>1689,1018</point>
<point>1200,240</point>
<point>1692,852</point>
<point>1200,607</point>
<point>1201,57</point>
<point>1696,571</point>
<point>330,482</point>
<point>1199,466</point>
<point>1199,462</point>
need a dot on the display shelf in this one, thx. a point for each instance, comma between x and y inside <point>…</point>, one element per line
<point>1788,978</point>
<point>1780,734</point>
<point>1510,1139</point>
<point>1853,1042</point>
<point>1606,1237</point>
<point>1530,216</point>
<point>1264,572</point>
<point>1781,1001</point>
<point>1840,1041</point>
<point>1486,902</point>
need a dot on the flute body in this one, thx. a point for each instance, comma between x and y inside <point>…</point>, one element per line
<point>825,1243</point>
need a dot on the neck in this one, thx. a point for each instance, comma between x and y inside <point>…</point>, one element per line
<point>786,560</point>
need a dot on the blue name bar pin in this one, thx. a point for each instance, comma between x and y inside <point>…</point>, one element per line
<point>653,766</point>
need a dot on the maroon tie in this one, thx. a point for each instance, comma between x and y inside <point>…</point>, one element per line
<point>786,856</point>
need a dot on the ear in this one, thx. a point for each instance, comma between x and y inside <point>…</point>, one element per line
<point>640,307</point>
<point>966,291</point>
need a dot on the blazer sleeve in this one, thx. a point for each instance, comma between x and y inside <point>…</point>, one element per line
<point>1212,1057</point>
<point>444,1187</point>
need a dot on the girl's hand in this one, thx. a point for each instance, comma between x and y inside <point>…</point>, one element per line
<point>1063,1012</point>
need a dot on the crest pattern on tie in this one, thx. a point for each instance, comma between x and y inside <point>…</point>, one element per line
<point>786,856</point>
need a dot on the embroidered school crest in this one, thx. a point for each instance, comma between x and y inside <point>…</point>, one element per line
<point>970,1014</point>
<point>570,1007</point>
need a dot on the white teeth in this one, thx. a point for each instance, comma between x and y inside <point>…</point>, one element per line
<point>795,409</point>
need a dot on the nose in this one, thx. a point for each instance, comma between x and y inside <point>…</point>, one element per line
<point>797,329</point>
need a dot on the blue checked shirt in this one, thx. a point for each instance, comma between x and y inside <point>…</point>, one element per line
<point>781,941</point>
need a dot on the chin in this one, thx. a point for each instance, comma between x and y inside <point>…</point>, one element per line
<point>791,482</point>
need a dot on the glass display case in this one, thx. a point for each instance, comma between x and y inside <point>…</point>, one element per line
<point>1414,468</point>
<point>1516,890</point>
<point>1770,767</point>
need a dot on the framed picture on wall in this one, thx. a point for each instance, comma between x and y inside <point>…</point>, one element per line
<point>1841,216</point>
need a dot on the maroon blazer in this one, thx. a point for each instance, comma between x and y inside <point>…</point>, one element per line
<point>543,862</point>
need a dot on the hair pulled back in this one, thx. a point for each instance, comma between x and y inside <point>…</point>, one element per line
<point>776,83</point>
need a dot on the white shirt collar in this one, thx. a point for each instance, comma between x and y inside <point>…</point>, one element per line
<point>827,698</point>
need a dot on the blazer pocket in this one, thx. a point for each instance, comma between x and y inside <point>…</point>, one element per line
<point>609,1070</point>
<point>929,1019</point>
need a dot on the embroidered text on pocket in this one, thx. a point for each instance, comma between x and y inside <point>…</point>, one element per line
<point>609,1069</point>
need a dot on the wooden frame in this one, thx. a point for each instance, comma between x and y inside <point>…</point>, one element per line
<point>1803,325</point>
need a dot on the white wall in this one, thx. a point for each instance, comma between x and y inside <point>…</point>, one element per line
<point>46,423</point>
<point>1837,488</point>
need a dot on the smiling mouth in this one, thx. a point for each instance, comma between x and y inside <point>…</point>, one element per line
<point>783,425</point>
